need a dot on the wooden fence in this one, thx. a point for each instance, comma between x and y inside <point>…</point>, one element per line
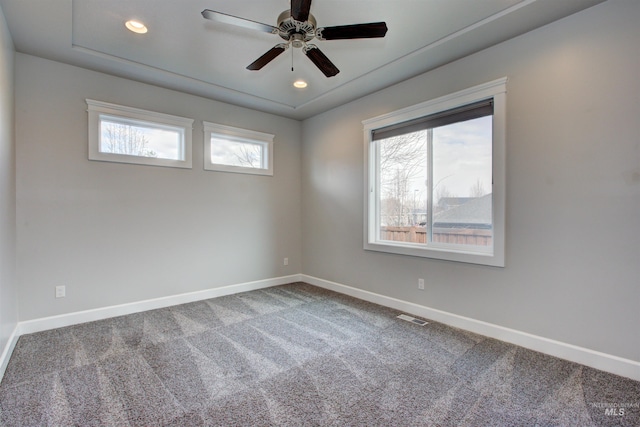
<point>456,236</point>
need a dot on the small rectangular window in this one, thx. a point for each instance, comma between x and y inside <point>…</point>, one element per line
<point>436,178</point>
<point>230,149</point>
<point>130,135</point>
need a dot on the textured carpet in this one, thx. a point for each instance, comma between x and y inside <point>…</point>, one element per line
<point>301,356</point>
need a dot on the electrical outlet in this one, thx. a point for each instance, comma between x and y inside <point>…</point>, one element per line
<point>421,284</point>
<point>286,261</point>
<point>61,291</point>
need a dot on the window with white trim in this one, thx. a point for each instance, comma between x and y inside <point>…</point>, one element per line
<point>231,149</point>
<point>131,135</point>
<point>435,184</point>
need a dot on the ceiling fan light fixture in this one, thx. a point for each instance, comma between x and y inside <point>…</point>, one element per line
<point>299,84</point>
<point>136,26</point>
<point>296,26</point>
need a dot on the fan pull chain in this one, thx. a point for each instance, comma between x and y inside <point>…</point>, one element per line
<point>292,60</point>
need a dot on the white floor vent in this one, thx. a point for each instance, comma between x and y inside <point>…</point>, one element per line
<point>412,319</point>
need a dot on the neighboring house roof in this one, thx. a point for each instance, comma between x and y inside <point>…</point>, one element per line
<point>450,202</point>
<point>475,213</point>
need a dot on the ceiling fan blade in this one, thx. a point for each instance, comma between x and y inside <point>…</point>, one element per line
<point>269,56</point>
<point>355,31</point>
<point>300,9</point>
<point>322,62</point>
<point>239,22</point>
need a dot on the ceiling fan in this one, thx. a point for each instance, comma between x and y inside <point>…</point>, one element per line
<point>297,27</point>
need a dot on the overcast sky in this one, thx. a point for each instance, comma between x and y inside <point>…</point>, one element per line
<point>230,152</point>
<point>462,156</point>
<point>164,142</point>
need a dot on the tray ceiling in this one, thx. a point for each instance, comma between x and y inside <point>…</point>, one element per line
<point>185,52</point>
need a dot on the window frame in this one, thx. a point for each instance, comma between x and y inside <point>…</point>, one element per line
<point>239,135</point>
<point>495,90</point>
<point>97,109</point>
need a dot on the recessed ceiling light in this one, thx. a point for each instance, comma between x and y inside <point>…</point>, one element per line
<point>300,84</point>
<point>136,26</point>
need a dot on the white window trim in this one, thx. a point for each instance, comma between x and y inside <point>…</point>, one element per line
<point>497,90</point>
<point>251,136</point>
<point>96,108</point>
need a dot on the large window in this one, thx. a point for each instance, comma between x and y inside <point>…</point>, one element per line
<point>231,149</point>
<point>130,135</point>
<point>435,183</point>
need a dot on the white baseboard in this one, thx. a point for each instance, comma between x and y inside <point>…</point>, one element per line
<point>8,349</point>
<point>595,359</point>
<point>46,323</point>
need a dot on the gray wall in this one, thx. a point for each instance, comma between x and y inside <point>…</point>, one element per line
<point>8,301</point>
<point>117,233</point>
<point>573,187</point>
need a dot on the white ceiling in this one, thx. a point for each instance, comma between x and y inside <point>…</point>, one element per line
<point>183,51</point>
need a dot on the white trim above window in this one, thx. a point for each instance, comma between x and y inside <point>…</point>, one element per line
<point>130,135</point>
<point>413,154</point>
<point>231,149</point>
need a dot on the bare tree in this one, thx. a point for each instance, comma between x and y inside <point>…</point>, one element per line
<point>477,190</point>
<point>249,155</point>
<point>402,161</point>
<point>125,139</point>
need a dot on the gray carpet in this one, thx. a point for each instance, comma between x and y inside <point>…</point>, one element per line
<point>296,355</point>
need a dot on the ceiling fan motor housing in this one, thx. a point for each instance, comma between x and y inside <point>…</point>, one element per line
<point>296,32</point>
